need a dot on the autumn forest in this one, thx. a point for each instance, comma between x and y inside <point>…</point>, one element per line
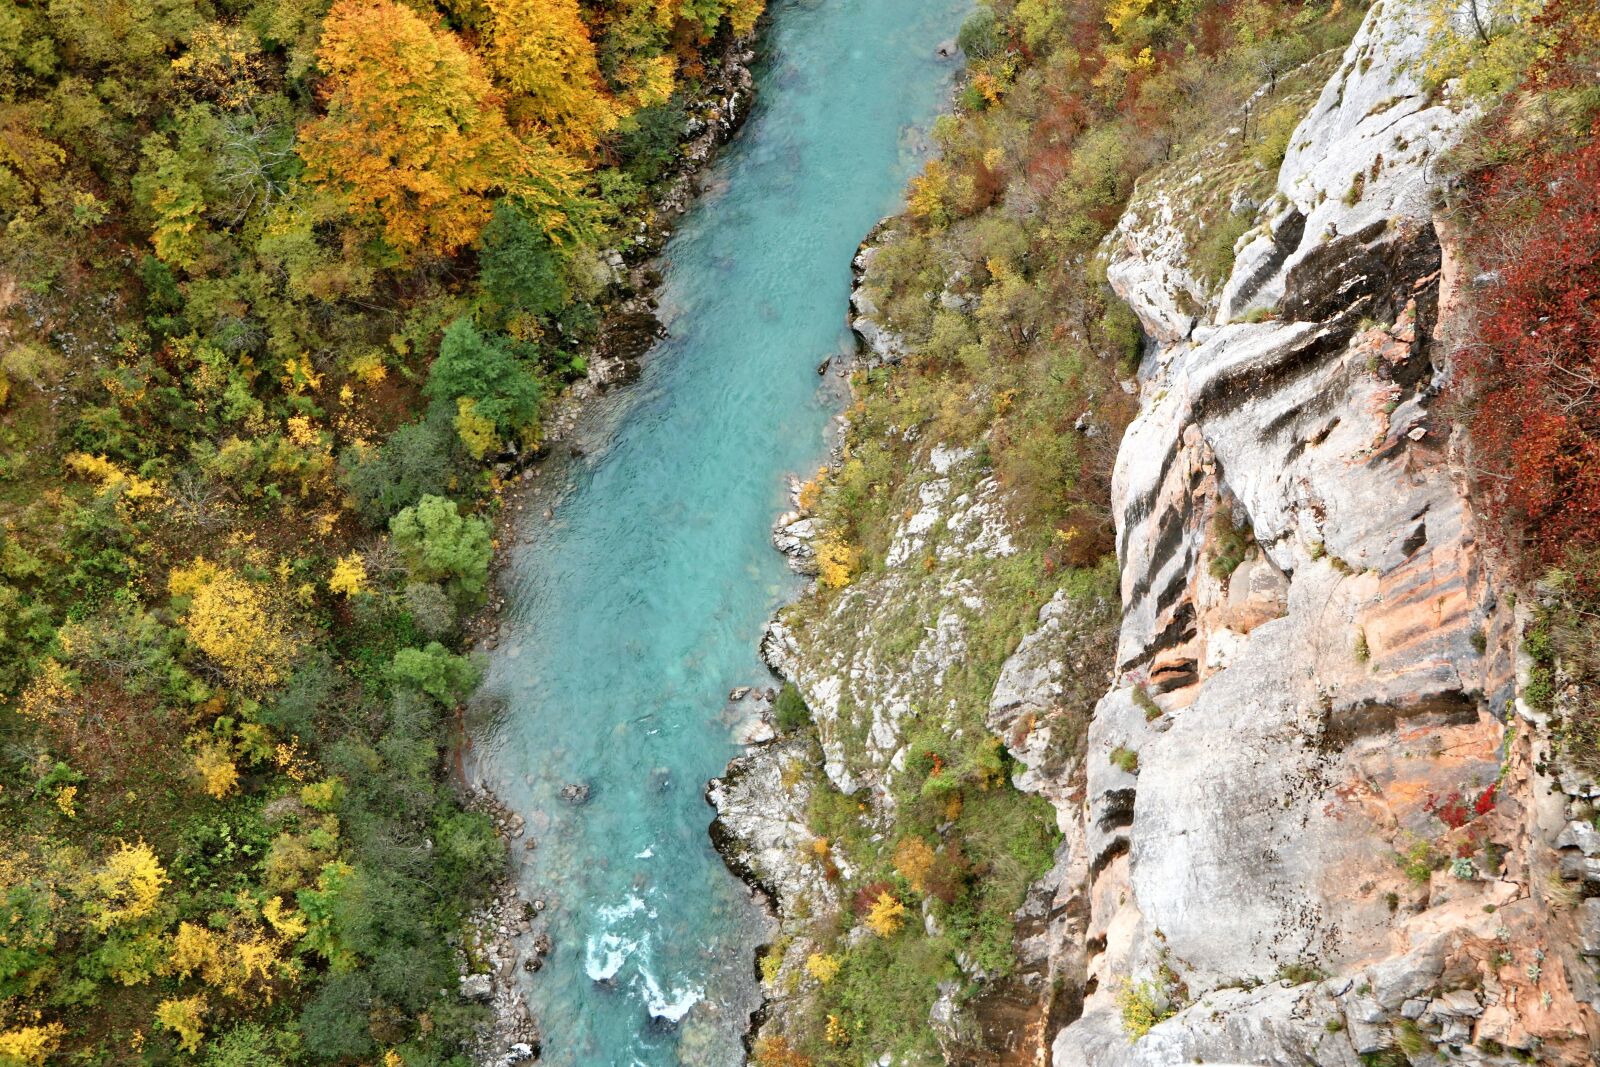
<point>282,281</point>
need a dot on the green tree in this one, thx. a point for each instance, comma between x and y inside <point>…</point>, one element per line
<point>248,1045</point>
<point>438,544</point>
<point>469,851</point>
<point>437,671</point>
<point>484,370</point>
<point>980,34</point>
<point>414,462</point>
<point>169,192</point>
<point>519,269</point>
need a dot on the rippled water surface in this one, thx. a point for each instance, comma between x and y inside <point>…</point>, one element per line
<point>637,607</point>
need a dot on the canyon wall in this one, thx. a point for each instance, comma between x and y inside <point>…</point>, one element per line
<point>1318,824</point>
<point>1310,821</point>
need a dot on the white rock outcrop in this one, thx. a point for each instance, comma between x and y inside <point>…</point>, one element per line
<point>1361,156</point>
<point>880,343</point>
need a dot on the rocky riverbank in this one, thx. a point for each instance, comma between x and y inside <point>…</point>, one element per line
<point>505,936</point>
<point>765,826</point>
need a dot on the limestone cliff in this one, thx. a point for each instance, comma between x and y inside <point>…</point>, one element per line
<point>1317,825</point>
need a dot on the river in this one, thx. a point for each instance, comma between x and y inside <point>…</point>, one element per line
<point>635,609</point>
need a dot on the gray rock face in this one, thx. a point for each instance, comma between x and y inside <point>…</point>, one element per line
<point>1038,699</point>
<point>1295,827</point>
<point>859,676</point>
<point>1151,271</point>
<point>793,535</point>
<point>1277,1025</point>
<point>1301,769</point>
<point>761,825</point>
<point>870,661</point>
<point>1360,156</point>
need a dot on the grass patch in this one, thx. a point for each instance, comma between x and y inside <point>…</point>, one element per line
<point>1419,862</point>
<point>1144,702</point>
<point>1214,253</point>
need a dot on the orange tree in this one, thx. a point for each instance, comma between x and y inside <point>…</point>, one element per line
<point>415,139</point>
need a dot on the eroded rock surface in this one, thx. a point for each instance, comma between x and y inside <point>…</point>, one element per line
<point>873,660</point>
<point>1309,832</point>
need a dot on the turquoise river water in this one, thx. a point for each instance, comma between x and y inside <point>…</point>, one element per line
<point>637,607</point>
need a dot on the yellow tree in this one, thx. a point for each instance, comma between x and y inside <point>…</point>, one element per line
<point>219,774</point>
<point>235,622</point>
<point>127,888</point>
<point>913,858</point>
<point>185,1018</point>
<point>886,915</point>
<point>542,52</point>
<point>742,14</point>
<point>31,1045</point>
<point>414,138</point>
<point>824,968</point>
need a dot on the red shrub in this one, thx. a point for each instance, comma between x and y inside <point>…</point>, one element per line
<point>1485,803</point>
<point>1453,813</point>
<point>1535,366</point>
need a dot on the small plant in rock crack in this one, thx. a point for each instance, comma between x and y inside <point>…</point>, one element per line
<point>1300,973</point>
<point>1126,759</point>
<point>1363,651</point>
<point>1231,541</point>
<point>1419,862</point>
<point>1142,1004</point>
<point>1143,700</point>
<point>1412,1041</point>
